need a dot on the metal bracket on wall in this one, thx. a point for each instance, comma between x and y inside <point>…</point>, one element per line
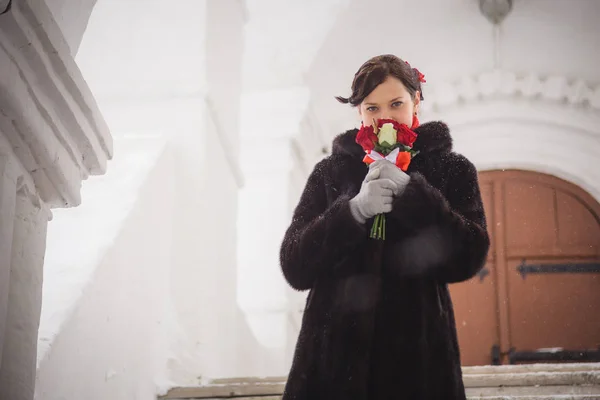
<point>483,272</point>
<point>5,6</point>
<point>571,268</point>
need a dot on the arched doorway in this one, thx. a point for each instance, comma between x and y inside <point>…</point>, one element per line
<point>538,297</point>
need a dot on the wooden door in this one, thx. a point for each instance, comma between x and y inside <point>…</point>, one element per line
<point>540,289</point>
<point>475,302</point>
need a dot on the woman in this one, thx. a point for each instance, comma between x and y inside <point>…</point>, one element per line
<point>379,322</point>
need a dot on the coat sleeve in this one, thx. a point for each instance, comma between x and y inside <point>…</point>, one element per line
<point>445,237</point>
<point>321,234</point>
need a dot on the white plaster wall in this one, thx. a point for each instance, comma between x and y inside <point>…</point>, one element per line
<point>203,255</point>
<point>548,137</point>
<point>267,160</point>
<point>282,38</point>
<point>140,51</point>
<point>149,300</point>
<point>561,38</point>
<point>224,53</point>
<point>253,358</point>
<point>154,82</point>
<point>113,344</point>
<point>79,238</point>
<point>72,17</point>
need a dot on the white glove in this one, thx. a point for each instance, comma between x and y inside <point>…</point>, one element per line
<point>388,170</point>
<point>375,197</point>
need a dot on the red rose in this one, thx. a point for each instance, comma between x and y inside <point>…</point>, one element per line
<point>366,138</point>
<point>396,125</point>
<point>406,136</point>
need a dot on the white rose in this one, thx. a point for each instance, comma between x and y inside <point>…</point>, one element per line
<point>387,134</point>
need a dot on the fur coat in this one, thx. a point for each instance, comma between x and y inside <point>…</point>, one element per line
<point>378,322</point>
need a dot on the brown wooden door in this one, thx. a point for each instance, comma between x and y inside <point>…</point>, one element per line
<point>532,294</point>
<point>475,302</point>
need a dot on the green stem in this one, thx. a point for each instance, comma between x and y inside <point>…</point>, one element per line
<point>373,227</point>
<point>376,228</point>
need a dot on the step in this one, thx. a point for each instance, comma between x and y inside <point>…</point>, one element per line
<point>541,380</point>
<point>518,382</point>
<point>244,388</point>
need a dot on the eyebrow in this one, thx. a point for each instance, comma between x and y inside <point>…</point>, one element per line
<point>391,101</point>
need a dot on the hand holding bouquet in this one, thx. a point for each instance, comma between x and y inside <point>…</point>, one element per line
<point>387,140</point>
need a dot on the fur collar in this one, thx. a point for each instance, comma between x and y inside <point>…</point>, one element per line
<point>432,137</point>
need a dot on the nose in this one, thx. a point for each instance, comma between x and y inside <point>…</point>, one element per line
<point>386,115</point>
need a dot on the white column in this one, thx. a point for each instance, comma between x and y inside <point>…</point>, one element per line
<point>263,207</point>
<point>7,211</point>
<point>224,59</point>
<point>207,184</point>
<point>19,353</point>
<point>52,136</point>
<point>273,159</point>
<point>263,218</point>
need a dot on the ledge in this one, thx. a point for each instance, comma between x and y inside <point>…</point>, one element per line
<point>47,112</point>
<point>496,84</point>
<point>573,381</point>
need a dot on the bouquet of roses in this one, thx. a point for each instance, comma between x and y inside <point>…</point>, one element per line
<point>388,140</point>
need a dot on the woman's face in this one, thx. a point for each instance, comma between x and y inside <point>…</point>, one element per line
<point>389,100</point>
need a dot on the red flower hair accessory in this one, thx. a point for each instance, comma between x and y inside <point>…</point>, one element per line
<point>419,74</point>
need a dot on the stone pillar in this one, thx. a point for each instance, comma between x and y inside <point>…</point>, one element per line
<point>52,136</point>
<point>7,211</point>
<point>277,154</point>
<point>19,347</point>
<point>263,217</point>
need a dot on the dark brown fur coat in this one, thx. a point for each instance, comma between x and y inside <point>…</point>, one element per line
<point>379,322</point>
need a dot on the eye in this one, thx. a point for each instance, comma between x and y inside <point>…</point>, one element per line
<point>372,109</point>
<point>397,104</point>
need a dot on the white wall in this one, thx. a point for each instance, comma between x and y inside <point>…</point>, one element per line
<point>113,343</point>
<point>72,17</point>
<point>153,82</point>
<point>561,38</point>
<point>78,238</point>
<point>158,307</point>
<point>551,138</point>
<point>203,255</point>
<point>268,160</point>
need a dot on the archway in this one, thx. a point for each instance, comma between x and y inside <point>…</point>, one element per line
<point>534,299</point>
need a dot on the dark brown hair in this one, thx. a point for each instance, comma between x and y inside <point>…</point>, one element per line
<point>375,71</point>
